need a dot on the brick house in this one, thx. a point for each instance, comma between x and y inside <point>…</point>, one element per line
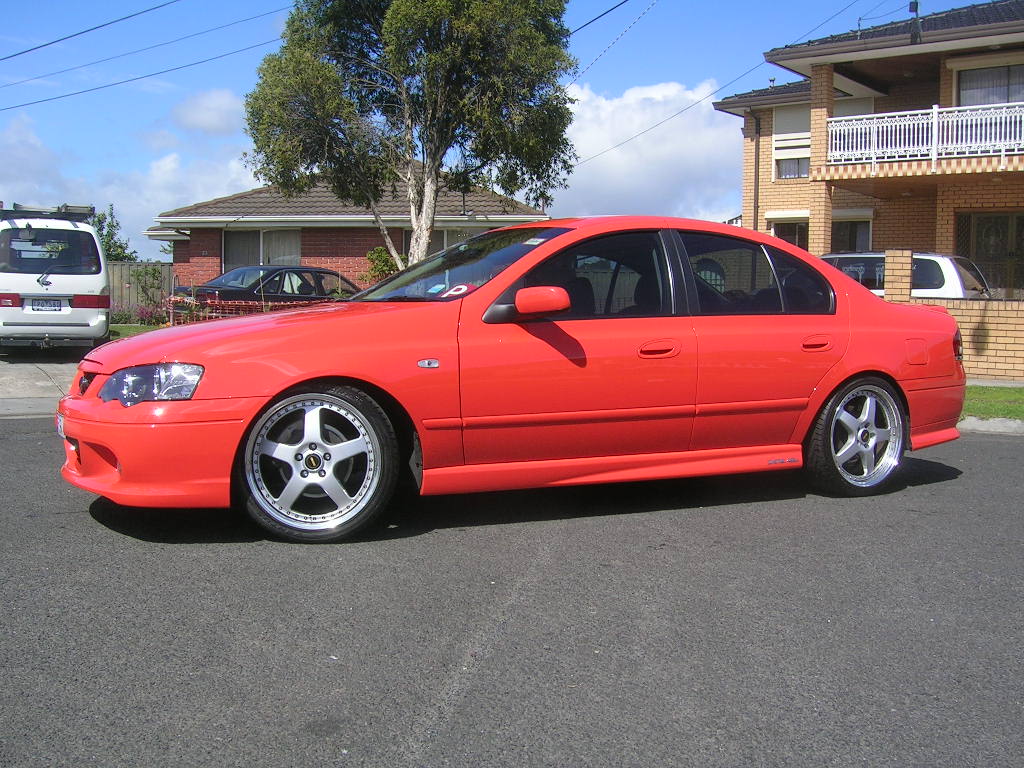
<point>908,135</point>
<point>262,226</point>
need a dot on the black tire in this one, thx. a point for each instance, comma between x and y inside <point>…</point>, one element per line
<point>319,466</point>
<point>857,444</point>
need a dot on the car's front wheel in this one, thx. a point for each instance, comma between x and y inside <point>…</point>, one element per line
<point>857,444</point>
<point>319,466</point>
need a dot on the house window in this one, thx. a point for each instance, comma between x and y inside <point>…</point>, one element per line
<point>794,232</point>
<point>991,85</point>
<point>792,168</point>
<point>851,236</point>
<point>247,247</point>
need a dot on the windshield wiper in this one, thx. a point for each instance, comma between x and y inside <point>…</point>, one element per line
<point>46,272</point>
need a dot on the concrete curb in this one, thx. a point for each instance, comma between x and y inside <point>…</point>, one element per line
<point>992,426</point>
<point>22,407</point>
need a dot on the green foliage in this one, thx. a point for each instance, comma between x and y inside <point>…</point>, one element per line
<point>381,265</point>
<point>374,97</point>
<point>108,228</point>
<point>149,280</point>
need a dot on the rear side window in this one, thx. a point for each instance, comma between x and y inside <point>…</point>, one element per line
<point>804,290</point>
<point>927,274</point>
<point>34,250</point>
<point>737,277</point>
<point>733,277</point>
<point>869,271</point>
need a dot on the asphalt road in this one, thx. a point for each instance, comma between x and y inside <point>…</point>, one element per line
<point>715,622</point>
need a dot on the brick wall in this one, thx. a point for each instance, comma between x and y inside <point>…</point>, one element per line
<point>342,249</point>
<point>992,331</point>
<point>198,259</point>
<point>971,195</point>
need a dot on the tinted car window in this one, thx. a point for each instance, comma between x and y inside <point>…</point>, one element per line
<point>332,285</point>
<point>869,271</point>
<point>927,274</point>
<point>54,251</point>
<point>616,275</point>
<point>733,277</point>
<point>804,291</point>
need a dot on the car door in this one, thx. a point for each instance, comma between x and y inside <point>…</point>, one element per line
<point>615,375</point>
<point>768,329</point>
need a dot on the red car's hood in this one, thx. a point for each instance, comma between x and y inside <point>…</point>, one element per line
<point>292,329</point>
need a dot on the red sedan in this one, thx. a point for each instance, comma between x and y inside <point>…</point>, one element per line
<point>566,352</point>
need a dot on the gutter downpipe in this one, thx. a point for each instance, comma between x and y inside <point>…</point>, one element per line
<point>757,169</point>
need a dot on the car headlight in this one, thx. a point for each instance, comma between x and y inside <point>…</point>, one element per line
<point>165,381</point>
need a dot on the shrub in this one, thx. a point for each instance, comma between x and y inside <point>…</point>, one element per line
<point>381,265</point>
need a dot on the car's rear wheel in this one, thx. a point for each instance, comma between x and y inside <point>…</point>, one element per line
<point>319,466</point>
<point>857,444</point>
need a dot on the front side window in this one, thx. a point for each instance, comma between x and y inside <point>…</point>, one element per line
<point>35,250</point>
<point>611,276</point>
<point>461,269</point>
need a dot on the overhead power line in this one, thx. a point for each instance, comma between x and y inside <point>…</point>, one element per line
<point>711,93</point>
<point>613,42</point>
<point>90,29</point>
<point>147,48</point>
<point>141,77</point>
<point>599,16</point>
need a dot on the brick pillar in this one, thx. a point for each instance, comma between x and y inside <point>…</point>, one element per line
<point>899,270</point>
<point>819,226</point>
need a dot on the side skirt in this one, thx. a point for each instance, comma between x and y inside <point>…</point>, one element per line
<point>474,478</point>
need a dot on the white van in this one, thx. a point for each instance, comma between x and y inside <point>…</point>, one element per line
<point>935,275</point>
<point>54,284</point>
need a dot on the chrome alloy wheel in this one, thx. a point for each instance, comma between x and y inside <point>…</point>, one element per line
<point>867,436</point>
<point>312,462</point>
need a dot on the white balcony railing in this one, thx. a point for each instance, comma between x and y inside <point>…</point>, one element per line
<point>927,134</point>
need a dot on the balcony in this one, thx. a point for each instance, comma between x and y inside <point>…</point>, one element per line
<point>928,134</point>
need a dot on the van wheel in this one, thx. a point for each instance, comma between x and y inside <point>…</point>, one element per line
<point>319,466</point>
<point>857,444</point>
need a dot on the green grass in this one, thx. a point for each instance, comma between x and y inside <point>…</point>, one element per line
<point>121,331</point>
<point>995,402</point>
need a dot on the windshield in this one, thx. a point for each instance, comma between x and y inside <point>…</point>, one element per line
<point>243,277</point>
<point>461,269</point>
<point>38,250</point>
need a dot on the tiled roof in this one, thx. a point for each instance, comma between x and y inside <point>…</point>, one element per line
<point>320,201</point>
<point>799,88</point>
<point>980,15</point>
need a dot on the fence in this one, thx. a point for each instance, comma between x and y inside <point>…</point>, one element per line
<point>150,284</point>
<point>182,310</point>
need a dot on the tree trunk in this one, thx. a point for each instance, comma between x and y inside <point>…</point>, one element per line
<point>423,219</point>
<point>388,242</point>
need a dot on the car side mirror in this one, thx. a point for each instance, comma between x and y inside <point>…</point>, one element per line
<point>542,300</point>
<point>529,303</point>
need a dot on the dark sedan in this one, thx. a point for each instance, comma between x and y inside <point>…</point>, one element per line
<point>272,284</point>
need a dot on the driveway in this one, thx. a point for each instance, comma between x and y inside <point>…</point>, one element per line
<point>32,380</point>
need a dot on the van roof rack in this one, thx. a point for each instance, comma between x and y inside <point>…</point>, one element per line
<point>64,212</point>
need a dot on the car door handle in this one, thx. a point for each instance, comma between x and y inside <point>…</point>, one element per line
<point>817,343</point>
<point>659,348</point>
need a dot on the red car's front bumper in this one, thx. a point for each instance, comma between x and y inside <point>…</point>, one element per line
<point>154,454</point>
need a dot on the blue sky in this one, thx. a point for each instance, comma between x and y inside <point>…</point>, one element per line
<point>177,138</point>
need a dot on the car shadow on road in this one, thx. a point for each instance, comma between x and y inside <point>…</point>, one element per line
<point>34,355</point>
<point>414,516</point>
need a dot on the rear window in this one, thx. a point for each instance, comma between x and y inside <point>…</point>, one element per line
<point>35,250</point>
<point>869,271</point>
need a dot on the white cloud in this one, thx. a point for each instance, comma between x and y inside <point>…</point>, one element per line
<point>217,112</point>
<point>690,166</point>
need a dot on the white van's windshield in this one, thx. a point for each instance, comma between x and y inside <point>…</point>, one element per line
<point>39,250</point>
